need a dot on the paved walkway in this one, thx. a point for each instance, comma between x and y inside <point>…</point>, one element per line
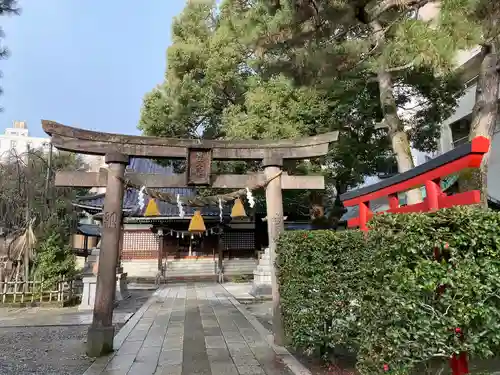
<point>194,329</point>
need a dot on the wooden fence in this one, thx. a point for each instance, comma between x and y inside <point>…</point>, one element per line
<point>65,291</point>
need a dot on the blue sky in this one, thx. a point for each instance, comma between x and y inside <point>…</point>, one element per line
<point>85,63</point>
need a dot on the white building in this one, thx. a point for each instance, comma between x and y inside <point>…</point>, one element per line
<point>455,129</point>
<point>15,141</point>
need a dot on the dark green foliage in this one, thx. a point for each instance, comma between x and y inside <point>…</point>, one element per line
<point>54,259</point>
<point>216,87</point>
<point>53,255</point>
<point>7,8</point>
<point>377,293</point>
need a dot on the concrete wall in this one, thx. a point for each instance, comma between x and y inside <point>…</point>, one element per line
<point>463,110</point>
<point>494,168</point>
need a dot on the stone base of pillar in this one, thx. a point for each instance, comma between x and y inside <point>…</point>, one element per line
<point>100,341</point>
<point>262,286</point>
<point>121,287</point>
<point>88,295</point>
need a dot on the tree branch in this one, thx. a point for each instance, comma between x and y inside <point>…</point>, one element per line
<point>385,5</point>
<point>401,67</point>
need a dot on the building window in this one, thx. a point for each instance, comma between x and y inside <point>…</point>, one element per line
<point>13,145</point>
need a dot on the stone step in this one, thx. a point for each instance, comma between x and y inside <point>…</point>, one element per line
<point>188,273</point>
<point>246,264</point>
<point>185,278</point>
<point>240,263</point>
<point>190,266</point>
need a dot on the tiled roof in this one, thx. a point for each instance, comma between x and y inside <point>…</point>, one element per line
<point>130,200</point>
<point>90,230</point>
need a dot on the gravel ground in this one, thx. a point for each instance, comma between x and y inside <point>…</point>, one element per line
<point>43,350</point>
<point>53,350</point>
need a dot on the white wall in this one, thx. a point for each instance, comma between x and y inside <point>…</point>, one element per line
<point>493,168</point>
<point>19,143</point>
<point>464,109</point>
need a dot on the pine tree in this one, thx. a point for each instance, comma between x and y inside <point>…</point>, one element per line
<point>385,40</point>
<point>265,69</point>
<point>216,87</point>
<point>7,7</point>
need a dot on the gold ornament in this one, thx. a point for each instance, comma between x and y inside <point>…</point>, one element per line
<point>197,224</point>
<point>238,209</point>
<point>152,209</point>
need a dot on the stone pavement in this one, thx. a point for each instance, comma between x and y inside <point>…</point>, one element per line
<point>194,329</point>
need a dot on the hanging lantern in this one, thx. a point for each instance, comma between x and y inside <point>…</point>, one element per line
<point>238,209</point>
<point>197,224</point>
<point>152,209</point>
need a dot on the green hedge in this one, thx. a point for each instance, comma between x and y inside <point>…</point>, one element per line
<point>377,293</point>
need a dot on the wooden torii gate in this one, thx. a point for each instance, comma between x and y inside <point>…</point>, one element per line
<point>199,155</point>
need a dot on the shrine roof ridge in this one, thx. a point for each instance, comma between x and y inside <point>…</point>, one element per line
<point>98,143</point>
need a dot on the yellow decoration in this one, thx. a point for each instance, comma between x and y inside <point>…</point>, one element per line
<point>152,209</point>
<point>197,224</point>
<point>238,210</point>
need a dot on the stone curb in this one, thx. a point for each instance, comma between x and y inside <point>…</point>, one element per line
<point>100,363</point>
<point>290,361</point>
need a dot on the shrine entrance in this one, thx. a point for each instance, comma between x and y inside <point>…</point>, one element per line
<point>198,155</point>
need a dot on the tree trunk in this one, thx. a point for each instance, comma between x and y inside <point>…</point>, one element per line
<point>399,138</point>
<point>484,115</point>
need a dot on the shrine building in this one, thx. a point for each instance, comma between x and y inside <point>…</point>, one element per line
<point>156,233</point>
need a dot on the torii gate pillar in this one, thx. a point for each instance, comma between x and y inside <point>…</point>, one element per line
<point>101,332</point>
<point>274,202</point>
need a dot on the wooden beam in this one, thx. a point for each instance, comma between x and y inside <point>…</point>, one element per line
<point>96,143</point>
<point>157,181</point>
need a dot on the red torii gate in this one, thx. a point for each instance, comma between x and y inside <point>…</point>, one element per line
<point>429,174</point>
